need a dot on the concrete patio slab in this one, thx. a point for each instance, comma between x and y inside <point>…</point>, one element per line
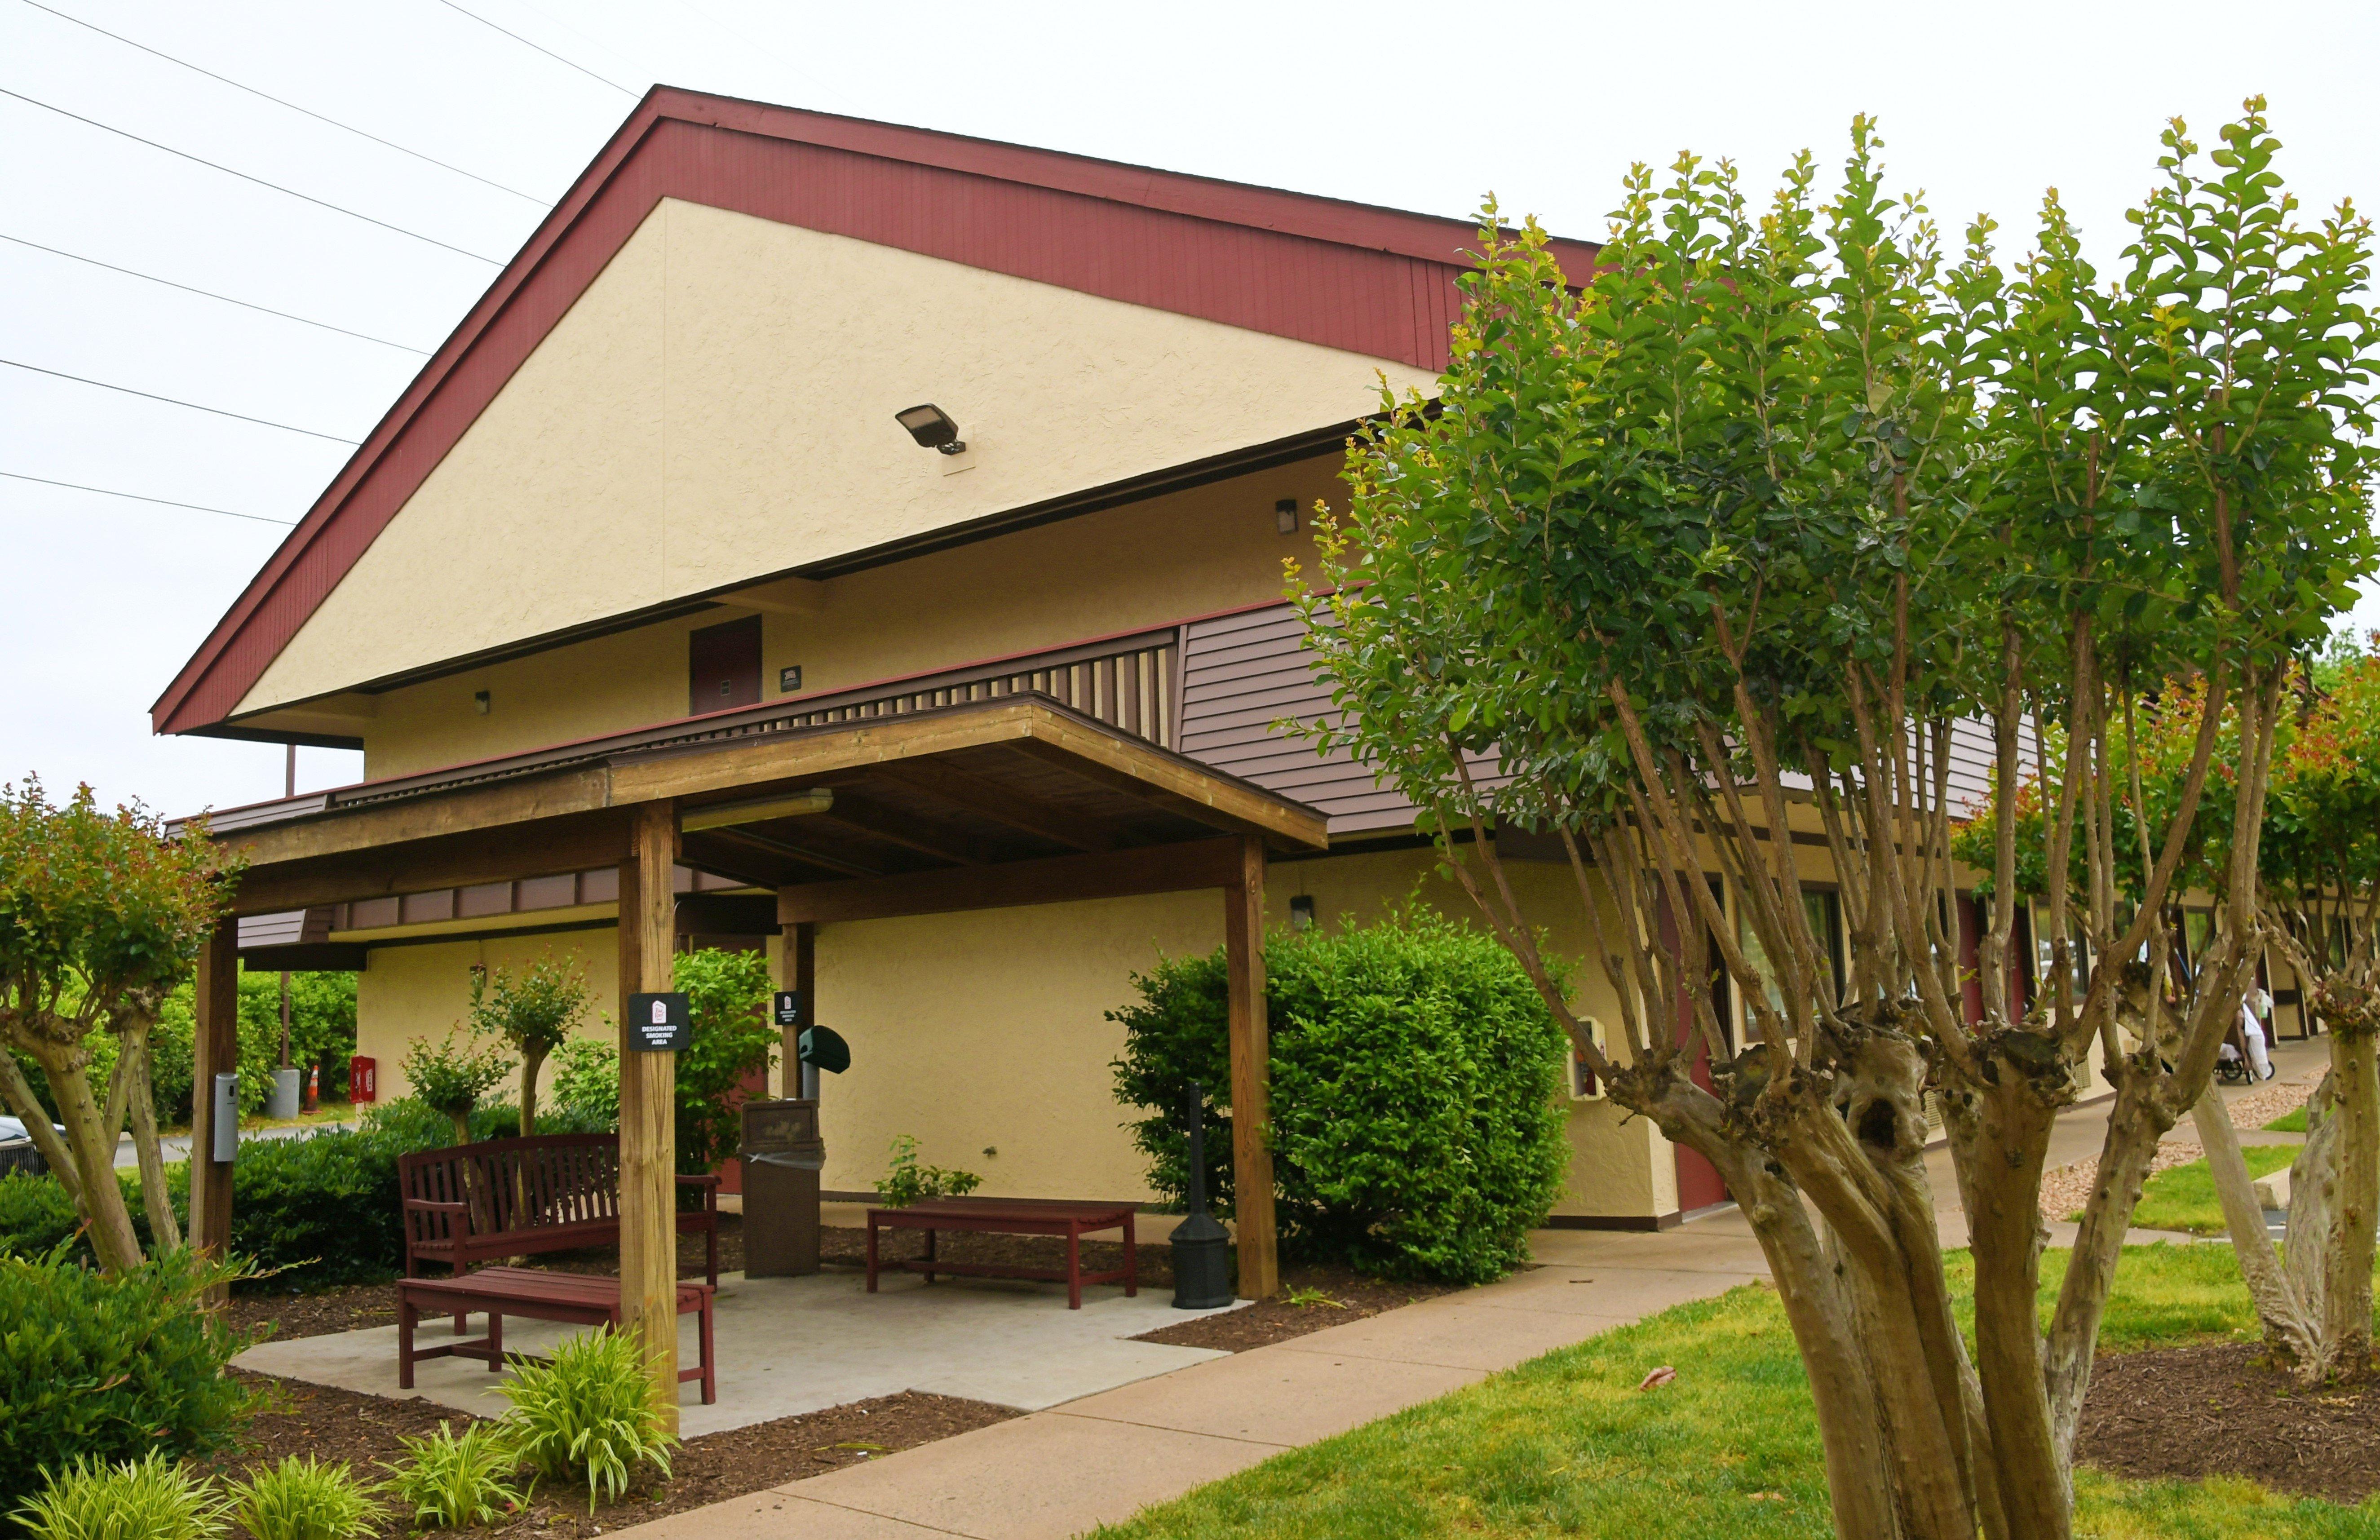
<point>1285,1398</point>
<point>790,1345</point>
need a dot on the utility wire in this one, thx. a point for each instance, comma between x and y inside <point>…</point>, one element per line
<point>19,240</point>
<point>214,166</point>
<point>218,411</point>
<point>163,502</point>
<point>293,106</point>
<point>541,48</point>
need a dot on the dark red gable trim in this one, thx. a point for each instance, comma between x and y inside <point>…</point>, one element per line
<point>1373,281</point>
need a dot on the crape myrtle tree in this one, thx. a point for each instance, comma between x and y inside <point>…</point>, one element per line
<point>535,1011</point>
<point>101,917</point>
<point>2320,899</point>
<point>1726,542</point>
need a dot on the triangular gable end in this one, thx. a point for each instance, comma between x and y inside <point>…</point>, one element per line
<point>1341,277</point>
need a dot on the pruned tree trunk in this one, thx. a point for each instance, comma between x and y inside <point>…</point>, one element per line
<point>92,1143</point>
<point>134,1061</point>
<point>532,1061</point>
<point>2314,1298</point>
<point>18,1092</point>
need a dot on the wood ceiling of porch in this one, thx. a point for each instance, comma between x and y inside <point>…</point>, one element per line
<point>925,807</point>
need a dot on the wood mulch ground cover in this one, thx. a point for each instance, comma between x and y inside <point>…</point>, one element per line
<point>2223,1408</point>
<point>332,1425</point>
<point>364,1430</point>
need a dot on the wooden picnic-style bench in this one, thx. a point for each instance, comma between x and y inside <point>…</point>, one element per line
<point>580,1299</point>
<point>516,1197</point>
<point>1011,1217</point>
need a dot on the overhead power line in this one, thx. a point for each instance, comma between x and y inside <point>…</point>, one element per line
<point>170,401</point>
<point>266,309</point>
<point>135,497</point>
<point>215,165</point>
<point>347,128</point>
<point>540,47</point>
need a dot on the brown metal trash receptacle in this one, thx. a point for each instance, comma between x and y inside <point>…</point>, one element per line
<point>782,1156</point>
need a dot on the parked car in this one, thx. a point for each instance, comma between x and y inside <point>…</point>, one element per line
<point>18,1152</point>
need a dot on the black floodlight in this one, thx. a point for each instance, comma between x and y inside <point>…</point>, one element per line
<point>932,428</point>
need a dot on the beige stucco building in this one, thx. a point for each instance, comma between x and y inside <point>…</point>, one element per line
<point>652,495</point>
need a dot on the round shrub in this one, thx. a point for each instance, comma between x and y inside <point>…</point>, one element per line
<point>1415,1074</point>
<point>109,1368</point>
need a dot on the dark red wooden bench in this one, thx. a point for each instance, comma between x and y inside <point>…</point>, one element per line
<point>579,1299</point>
<point>517,1197</point>
<point>1011,1217</point>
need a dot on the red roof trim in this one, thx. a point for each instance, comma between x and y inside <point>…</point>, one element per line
<point>1368,280</point>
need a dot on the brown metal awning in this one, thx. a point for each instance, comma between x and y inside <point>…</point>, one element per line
<point>1013,800</point>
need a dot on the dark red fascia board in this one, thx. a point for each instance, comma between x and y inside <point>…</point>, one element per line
<point>497,334</point>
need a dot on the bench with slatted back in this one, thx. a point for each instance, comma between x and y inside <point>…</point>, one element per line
<point>516,1197</point>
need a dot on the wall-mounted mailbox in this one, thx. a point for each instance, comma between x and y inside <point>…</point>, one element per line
<point>223,1124</point>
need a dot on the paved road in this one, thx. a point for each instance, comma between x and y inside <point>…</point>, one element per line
<point>177,1146</point>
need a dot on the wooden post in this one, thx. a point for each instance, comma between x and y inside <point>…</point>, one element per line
<point>1244,929</point>
<point>801,977</point>
<point>215,1051</point>
<point>649,1103</point>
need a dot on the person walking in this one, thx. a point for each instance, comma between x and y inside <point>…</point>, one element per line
<point>2255,1008</point>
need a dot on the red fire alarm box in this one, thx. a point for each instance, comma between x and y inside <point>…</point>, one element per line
<point>363,1080</point>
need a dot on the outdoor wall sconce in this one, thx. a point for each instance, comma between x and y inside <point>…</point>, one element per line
<point>480,701</point>
<point>1301,911</point>
<point>932,428</point>
<point>818,799</point>
<point>1284,516</point>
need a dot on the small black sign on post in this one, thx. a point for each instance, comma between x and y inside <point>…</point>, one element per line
<point>659,1024</point>
<point>786,1009</point>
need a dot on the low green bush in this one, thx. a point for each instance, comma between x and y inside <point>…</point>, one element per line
<point>149,1498</point>
<point>589,1414</point>
<point>1418,1130</point>
<point>906,1181</point>
<point>450,1482</point>
<point>305,1499</point>
<point>110,1368</point>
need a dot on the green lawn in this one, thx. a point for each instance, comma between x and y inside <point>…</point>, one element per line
<point>2183,1199</point>
<point>2291,1121</point>
<point>1566,1444</point>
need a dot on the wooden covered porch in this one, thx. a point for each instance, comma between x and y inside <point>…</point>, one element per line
<point>984,804</point>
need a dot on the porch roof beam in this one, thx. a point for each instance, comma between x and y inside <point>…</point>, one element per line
<point>1166,868</point>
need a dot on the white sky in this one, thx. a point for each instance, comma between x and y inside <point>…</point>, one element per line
<point>1415,107</point>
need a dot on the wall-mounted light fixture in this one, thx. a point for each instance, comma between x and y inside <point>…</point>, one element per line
<point>1284,516</point>
<point>1301,911</point>
<point>932,428</point>
<point>480,701</point>
<point>725,815</point>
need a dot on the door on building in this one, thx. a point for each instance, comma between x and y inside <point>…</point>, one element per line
<point>1699,1183</point>
<point>723,666</point>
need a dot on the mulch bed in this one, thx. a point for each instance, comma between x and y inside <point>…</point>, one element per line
<point>1345,1296</point>
<point>362,1430</point>
<point>2224,1409</point>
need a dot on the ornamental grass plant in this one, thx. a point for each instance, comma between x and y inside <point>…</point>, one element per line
<point>589,1414</point>
<point>152,1497</point>
<point>302,1499</point>
<point>451,1482</point>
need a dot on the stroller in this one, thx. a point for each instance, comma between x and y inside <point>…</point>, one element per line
<point>2232,1066</point>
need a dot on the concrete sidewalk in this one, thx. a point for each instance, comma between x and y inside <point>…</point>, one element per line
<point>1101,1458</point>
<point>1057,1472</point>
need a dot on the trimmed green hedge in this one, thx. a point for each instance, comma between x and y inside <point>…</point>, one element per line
<point>1417,1129</point>
<point>315,1210</point>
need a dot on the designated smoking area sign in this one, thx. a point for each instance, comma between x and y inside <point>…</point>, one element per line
<point>659,1024</point>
